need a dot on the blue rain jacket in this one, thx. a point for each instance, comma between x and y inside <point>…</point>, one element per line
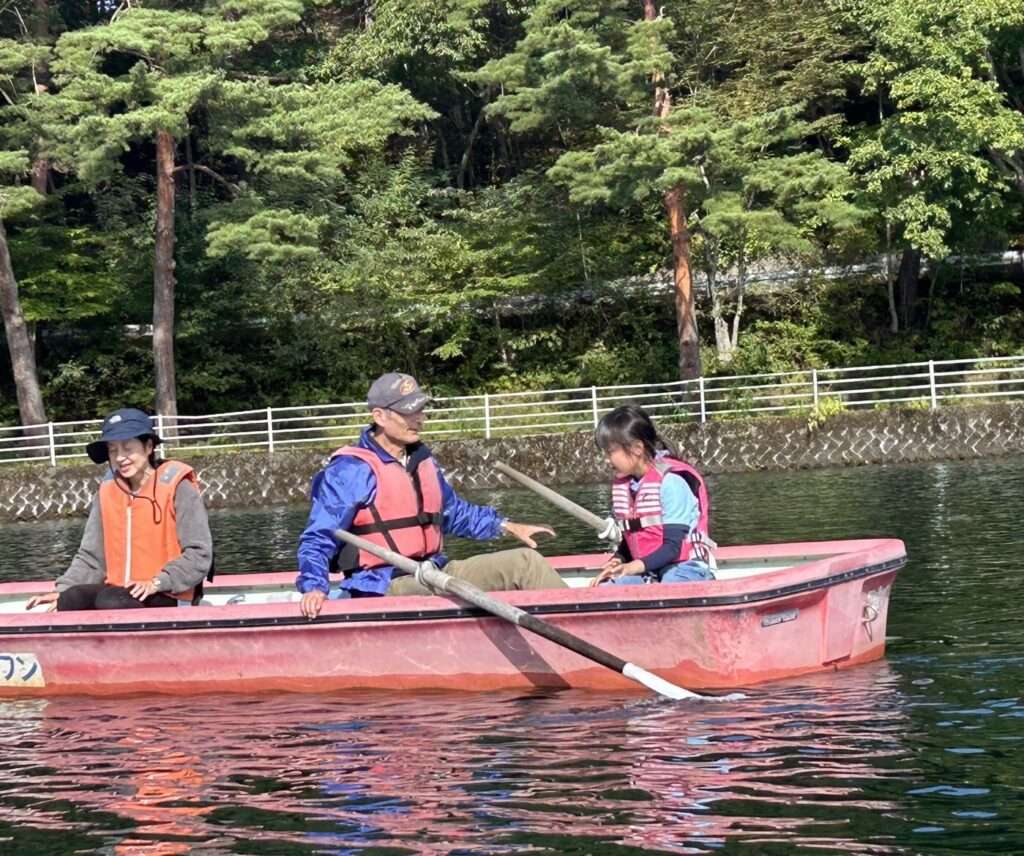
<point>347,484</point>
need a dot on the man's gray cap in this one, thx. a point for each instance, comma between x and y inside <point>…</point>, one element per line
<point>397,391</point>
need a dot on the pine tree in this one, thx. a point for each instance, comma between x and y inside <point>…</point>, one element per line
<point>274,146</point>
<point>600,77</point>
<point>142,76</point>
<point>764,196</point>
<point>688,106</point>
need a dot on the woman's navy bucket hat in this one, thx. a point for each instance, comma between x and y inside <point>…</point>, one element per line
<point>124,424</point>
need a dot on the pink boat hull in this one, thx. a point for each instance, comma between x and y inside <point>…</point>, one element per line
<point>827,612</point>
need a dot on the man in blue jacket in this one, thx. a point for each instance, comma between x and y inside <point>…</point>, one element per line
<point>420,506</point>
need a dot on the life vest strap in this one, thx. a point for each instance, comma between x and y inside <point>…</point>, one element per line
<point>635,524</point>
<point>423,519</point>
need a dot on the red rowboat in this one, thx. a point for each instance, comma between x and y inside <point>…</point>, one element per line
<point>774,612</point>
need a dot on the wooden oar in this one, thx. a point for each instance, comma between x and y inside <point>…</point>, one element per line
<point>430,575</point>
<point>606,527</point>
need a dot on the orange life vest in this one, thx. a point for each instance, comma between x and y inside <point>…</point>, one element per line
<point>406,513</point>
<point>140,532</point>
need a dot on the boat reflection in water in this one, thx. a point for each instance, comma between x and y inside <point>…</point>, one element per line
<point>793,763</point>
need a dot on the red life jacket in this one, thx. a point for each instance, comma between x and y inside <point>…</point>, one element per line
<point>641,516</point>
<point>140,533</point>
<point>406,513</point>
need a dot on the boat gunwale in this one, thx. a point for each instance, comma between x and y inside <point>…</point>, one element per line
<point>449,613</point>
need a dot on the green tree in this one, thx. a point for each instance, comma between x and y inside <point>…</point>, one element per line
<point>275,146</point>
<point>702,109</point>
<point>600,79</point>
<point>946,138</point>
<point>143,76</point>
<point>19,342</point>
<point>17,63</point>
<point>430,48</point>
<point>764,198</point>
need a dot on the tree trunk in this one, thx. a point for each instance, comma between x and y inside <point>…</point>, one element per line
<point>19,343</point>
<point>722,344</point>
<point>741,291</point>
<point>933,277</point>
<point>502,350</point>
<point>682,271</point>
<point>682,277</point>
<point>504,152</point>
<point>736,322</point>
<point>715,297</point>
<point>163,282</point>
<point>890,281</point>
<point>41,73</point>
<point>464,164</point>
<point>910,273</point>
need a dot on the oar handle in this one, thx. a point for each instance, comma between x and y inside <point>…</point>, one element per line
<point>429,574</point>
<point>606,528</point>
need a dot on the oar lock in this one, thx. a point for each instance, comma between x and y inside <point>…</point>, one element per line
<point>422,574</point>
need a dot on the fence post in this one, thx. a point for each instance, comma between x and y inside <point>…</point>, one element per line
<point>703,403</point>
<point>270,431</point>
<point>593,404</point>
<point>931,384</point>
<point>487,416</point>
<point>814,386</point>
<point>53,447</point>
<point>160,430</point>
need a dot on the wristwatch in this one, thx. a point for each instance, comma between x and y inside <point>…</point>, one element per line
<point>158,583</point>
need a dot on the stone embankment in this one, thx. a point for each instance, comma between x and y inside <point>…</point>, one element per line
<point>233,479</point>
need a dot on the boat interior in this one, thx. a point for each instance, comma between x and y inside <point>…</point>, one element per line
<point>577,571</point>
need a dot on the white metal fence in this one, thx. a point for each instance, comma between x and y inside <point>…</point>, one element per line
<point>924,384</point>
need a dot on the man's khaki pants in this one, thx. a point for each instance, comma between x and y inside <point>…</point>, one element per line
<point>507,570</point>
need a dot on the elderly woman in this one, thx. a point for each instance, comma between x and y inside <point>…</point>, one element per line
<point>147,540</point>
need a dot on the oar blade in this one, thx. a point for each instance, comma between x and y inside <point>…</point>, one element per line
<point>668,689</point>
<point>658,685</point>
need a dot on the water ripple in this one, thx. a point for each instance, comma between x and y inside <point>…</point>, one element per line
<point>916,754</point>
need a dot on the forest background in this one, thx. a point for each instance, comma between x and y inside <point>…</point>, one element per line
<point>210,206</point>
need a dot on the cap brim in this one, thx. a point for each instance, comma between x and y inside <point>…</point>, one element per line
<point>97,449</point>
<point>414,405</point>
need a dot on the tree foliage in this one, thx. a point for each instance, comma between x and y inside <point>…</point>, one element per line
<point>481,191</point>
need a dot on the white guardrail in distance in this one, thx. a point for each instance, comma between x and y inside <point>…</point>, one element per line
<point>926,384</point>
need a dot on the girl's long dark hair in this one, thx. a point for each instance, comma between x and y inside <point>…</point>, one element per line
<point>626,425</point>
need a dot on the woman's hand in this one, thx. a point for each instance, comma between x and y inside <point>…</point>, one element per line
<point>140,591</point>
<point>525,531</point>
<point>50,599</point>
<point>615,568</point>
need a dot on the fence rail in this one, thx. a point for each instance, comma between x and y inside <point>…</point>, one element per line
<point>929,384</point>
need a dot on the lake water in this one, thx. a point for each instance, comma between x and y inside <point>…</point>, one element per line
<point>919,753</point>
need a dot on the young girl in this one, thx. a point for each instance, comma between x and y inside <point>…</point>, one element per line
<point>659,502</point>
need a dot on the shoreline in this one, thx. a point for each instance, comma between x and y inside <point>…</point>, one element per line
<point>240,479</point>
